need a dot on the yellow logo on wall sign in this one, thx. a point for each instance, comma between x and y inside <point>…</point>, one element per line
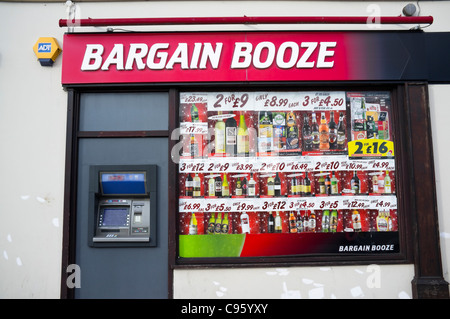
<point>47,50</point>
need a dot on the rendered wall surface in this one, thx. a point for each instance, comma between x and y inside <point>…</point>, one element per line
<point>33,110</point>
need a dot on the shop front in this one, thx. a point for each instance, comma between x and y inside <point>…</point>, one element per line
<point>255,149</point>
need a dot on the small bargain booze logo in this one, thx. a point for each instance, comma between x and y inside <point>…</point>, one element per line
<point>44,48</point>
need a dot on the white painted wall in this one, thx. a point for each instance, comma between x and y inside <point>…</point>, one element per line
<point>32,142</point>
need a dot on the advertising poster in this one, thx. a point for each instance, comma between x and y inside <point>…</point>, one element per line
<point>282,173</point>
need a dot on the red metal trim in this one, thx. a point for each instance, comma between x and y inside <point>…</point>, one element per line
<point>243,20</point>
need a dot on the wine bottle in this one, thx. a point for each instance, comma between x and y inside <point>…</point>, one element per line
<point>189,185</point>
<point>219,135</point>
<point>225,187</point>
<point>230,136</point>
<point>242,137</point>
<point>277,185</point>
<point>341,132</point>
<point>251,186</point>
<point>278,225</point>
<point>196,184</point>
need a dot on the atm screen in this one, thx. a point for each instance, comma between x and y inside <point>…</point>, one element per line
<point>123,183</point>
<point>115,217</point>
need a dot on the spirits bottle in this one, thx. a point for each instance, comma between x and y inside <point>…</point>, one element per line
<point>245,223</point>
<point>387,183</point>
<point>381,183</point>
<point>238,188</point>
<point>299,222</point>
<point>332,132</point>
<point>294,186</point>
<point>242,137</point>
<point>315,132</point>
<point>321,184</point>
<point>375,183</point>
<point>382,221</point>
<point>230,136</point>
<point>219,135</point>
<point>324,133</point>
<point>341,132</point>
<point>356,220</point>
<point>251,186</point>
<point>196,184</point>
<point>278,225</point>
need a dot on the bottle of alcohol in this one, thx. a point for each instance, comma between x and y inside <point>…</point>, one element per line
<point>219,135</point>
<point>305,222</point>
<point>218,224</point>
<point>211,224</point>
<point>312,222</point>
<point>231,136</point>
<point>225,224</point>
<point>380,183</point>
<point>238,188</point>
<point>333,221</point>
<point>326,221</point>
<point>277,185</point>
<point>324,133</point>
<point>270,186</point>
<point>225,187</point>
<point>306,132</point>
<point>251,186</point>
<point>294,186</point>
<point>354,183</point>
<point>194,149</point>
<point>333,132</point>
<point>356,220</point>
<point>321,184</point>
<point>315,132</point>
<point>382,221</point>
<point>189,185</point>
<point>196,183</point>
<point>211,187</point>
<point>306,185</point>
<point>193,225</point>
<point>299,222</point>
<point>270,223</point>
<point>194,114</point>
<point>194,146</point>
<point>218,186</point>
<point>374,183</point>
<point>334,185</point>
<point>327,184</point>
<point>244,186</point>
<point>278,225</point>
<point>341,132</point>
<point>387,183</point>
<point>292,223</point>
<point>242,137</point>
<point>245,223</point>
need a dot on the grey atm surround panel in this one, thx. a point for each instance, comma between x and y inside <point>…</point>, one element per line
<point>132,215</point>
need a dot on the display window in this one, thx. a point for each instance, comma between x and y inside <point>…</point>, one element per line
<point>286,173</point>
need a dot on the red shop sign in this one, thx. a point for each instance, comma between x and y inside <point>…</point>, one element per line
<point>215,57</point>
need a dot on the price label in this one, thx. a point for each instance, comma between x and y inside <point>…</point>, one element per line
<point>371,148</point>
<point>194,128</point>
<point>273,101</point>
<point>322,101</point>
<point>230,101</point>
<point>193,98</point>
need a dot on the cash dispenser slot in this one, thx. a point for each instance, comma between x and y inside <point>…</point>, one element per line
<point>124,206</point>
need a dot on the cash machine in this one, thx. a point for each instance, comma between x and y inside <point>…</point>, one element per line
<point>122,206</point>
